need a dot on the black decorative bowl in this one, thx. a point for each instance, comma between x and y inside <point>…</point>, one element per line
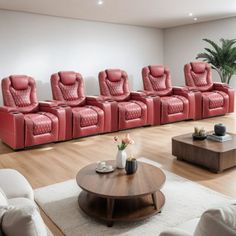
<point>199,137</point>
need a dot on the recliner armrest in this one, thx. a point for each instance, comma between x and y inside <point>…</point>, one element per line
<point>148,93</point>
<point>228,90</point>
<point>177,89</point>
<point>8,109</point>
<point>64,115</point>
<point>222,87</point>
<point>51,103</point>
<point>12,127</point>
<point>152,103</point>
<point>99,99</point>
<point>109,108</point>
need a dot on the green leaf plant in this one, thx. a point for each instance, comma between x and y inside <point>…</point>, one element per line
<point>221,57</point>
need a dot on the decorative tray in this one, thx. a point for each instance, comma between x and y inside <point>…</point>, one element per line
<point>199,137</point>
<point>105,170</point>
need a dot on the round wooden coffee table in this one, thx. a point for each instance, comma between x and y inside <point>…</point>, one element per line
<point>120,197</point>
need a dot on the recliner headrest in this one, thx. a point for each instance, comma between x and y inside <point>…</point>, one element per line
<point>199,67</point>
<point>157,70</point>
<point>19,82</point>
<point>114,74</point>
<point>67,77</point>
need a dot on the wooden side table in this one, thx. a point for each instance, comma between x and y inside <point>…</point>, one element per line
<point>212,155</point>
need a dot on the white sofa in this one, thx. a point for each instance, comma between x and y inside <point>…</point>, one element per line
<point>19,214</point>
<point>220,221</point>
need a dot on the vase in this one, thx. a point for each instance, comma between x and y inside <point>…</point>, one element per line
<point>121,157</point>
<point>220,129</point>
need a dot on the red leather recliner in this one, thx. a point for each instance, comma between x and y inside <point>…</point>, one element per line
<point>23,120</point>
<point>176,102</point>
<point>133,108</point>
<point>212,98</point>
<point>90,114</point>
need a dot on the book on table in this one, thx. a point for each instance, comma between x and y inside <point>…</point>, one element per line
<point>217,138</point>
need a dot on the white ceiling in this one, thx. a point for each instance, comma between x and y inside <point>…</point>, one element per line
<point>153,13</point>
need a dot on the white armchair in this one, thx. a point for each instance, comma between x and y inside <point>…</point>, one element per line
<point>19,214</point>
<point>218,222</point>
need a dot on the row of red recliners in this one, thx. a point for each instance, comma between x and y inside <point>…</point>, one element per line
<point>26,122</point>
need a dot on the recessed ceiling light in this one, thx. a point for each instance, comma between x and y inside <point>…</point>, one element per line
<point>190,14</point>
<point>195,18</point>
<point>100,2</point>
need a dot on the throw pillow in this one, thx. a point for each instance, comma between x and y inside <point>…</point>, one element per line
<point>23,221</point>
<point>217,222</point>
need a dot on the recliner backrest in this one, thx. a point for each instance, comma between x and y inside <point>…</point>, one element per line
<point>20,91</point>
<point>198,74</point>
<point>114,83</point>
<point>157,78</point>
<point>68,86</point>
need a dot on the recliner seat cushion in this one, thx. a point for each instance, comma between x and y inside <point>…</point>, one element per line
<point>42,124</point>
<point>133,110</point>
<point>215,99</point>
<point>175,104</point>
<point>88,116</point>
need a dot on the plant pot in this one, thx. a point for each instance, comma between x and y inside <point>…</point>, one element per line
<point>121,158</point>
<point>220,129</point>
<point>131,166</point>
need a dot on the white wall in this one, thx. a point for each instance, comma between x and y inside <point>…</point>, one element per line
<point>182,44</point>
<point>39,45</point>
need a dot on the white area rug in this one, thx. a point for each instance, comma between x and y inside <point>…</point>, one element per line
<point>185,200</point>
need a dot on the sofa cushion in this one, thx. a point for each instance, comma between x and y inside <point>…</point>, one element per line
<point>3,198</point>
<point>3,207</point>
<point>15,185</point>
<point>218,222</point>
<point>189,226</point>
<point>23,219</point>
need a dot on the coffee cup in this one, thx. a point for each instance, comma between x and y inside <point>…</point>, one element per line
<point>109,167</point>
<point>101,165</point>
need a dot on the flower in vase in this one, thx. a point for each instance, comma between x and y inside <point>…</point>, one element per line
<point>124,142</point>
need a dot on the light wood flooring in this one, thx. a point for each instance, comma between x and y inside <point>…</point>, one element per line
<point>53,163</point>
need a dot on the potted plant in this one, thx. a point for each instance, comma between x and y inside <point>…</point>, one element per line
<point>121,154</point>
<point>222,58</point>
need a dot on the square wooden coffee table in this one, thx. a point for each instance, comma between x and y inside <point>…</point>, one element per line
<point>210,154</point>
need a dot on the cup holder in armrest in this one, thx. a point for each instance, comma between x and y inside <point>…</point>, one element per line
<point>15,112</point>
<point>109,100</point>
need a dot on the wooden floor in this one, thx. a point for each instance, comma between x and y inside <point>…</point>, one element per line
<point>53,163</point>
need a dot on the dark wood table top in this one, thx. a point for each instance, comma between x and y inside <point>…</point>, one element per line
<point>147,180</point>
<point>208,144</point>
